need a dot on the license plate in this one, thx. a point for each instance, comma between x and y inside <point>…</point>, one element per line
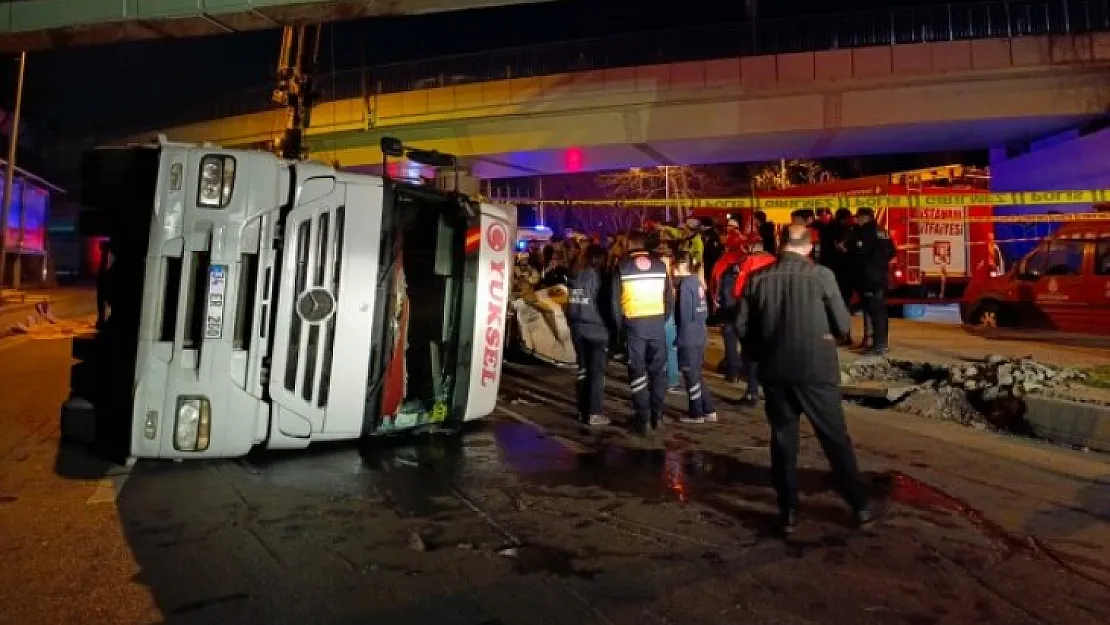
<point>214,318</point>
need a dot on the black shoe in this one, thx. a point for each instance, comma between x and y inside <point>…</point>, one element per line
<point>867,516</point>
<point>642,428</point>
<point>657,422</point>
<point>749,401</point>
<point>875,351</point>
<point>788,522</point>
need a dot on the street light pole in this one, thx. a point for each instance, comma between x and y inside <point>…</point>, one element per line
<point>9,179</point>
<point>667,192</point>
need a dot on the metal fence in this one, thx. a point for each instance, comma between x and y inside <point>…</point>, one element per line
<point>935,23</point>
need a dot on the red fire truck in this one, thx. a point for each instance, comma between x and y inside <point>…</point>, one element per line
<point>939,249</point>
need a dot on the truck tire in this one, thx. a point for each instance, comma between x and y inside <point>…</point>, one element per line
<point>989,313</point>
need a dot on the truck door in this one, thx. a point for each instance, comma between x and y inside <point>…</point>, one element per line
<point>1100,290</point>
<point>323,318</point>
<point>1053,286</point>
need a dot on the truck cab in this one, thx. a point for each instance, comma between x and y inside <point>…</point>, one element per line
<point>262,302</point>
<point>1063,285</point>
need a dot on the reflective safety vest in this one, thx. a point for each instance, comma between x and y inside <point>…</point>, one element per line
<point>643,286</point>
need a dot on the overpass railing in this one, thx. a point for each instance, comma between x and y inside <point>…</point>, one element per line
<point>924,24</point>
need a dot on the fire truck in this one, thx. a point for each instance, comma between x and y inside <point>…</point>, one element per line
<point>260,301</point>
<point>939,250</point>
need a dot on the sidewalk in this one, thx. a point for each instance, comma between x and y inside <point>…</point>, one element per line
<point>64,303</point>
<point>922,341</point>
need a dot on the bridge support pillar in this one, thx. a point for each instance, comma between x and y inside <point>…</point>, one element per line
<point>458,179</point>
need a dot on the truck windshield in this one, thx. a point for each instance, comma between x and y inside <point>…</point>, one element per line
<point>412,367</point>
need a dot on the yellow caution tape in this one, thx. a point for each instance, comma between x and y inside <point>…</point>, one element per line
<point>1026,219</point>
<point>833,202</point>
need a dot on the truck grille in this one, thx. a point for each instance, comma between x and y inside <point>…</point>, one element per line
<point>312,313</point>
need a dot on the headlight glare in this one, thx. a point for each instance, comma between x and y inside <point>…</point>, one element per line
<point>217,181</point>
<point>192,426</point>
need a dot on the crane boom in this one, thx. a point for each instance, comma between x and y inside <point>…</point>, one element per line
<point>300,49</point>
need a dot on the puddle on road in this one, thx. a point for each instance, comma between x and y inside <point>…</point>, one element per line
<point>509,450</point>
<point>410,473</point>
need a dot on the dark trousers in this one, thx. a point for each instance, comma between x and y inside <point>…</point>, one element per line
<point>844,282</point>
<point>647,373</point>
<point>592,359</point>
<point>733,363</point>
<point>753,380</point>
<point>690,361</point>
<point>821,404</point>
<point>875,321</point>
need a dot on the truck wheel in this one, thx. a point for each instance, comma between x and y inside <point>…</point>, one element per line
<point>988,315</point>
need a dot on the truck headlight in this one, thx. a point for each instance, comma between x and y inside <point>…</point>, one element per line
<point>192,425</point>
<point>217,180</point>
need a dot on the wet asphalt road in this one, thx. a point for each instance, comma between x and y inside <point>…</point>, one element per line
<point>526,519</point>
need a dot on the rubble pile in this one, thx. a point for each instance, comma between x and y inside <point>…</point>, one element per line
<point>981,393</point>
<point>998,377</point>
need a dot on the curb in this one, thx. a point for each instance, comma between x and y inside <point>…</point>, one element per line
<point>66,306</point>
<point>1069,422</point>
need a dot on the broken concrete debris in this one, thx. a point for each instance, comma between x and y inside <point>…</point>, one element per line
<point>987,391</point>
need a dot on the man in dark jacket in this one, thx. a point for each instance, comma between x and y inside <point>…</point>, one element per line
<point>642,302</point>
<point>789,317</point>
<point>872,256</point>
<point>766,232</point>
<point>837,256</point>
<point>590,332</point>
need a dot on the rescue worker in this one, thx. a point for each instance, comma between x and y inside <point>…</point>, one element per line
<point>642,300</point>
<point>693,310</point>
<point>766,231</point>
<point>674,382</point>
<point>713,248</point>
<point>756,260</point>
<point>590,334</point>
<point>789,316</point>
<point>805,217</point>
<point>694,242</point>
<point>837,256</point>
<point>723,289</point>
<point>873,253</point>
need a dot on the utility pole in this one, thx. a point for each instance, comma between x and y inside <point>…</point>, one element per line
<point>667,192</point>
<point>9,182</point>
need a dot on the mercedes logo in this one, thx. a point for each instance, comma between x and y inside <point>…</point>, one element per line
<point>315,305</point>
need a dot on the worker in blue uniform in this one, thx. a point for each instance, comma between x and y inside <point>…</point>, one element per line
<point>642,301</point>
<point>590,332</point>
<point>693,309</point>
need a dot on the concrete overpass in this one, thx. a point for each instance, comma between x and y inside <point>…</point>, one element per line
<point>42,24</point>
<point>921,97</point>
